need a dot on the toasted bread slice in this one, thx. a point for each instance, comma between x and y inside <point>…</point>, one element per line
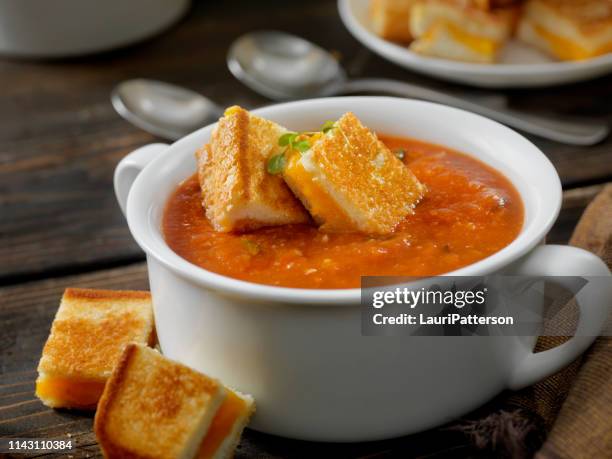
<point>89,332</point>
<point>568,29</point>
<point>349,180</point>
<point>224,433</point>
<point>455,30</point>
<point>153,407</point>
<point>391,19</point>
<point>237,192</point>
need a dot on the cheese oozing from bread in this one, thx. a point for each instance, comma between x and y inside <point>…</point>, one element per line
<point>237,192</point>
<point>350,181</point>
<point>88,334</point>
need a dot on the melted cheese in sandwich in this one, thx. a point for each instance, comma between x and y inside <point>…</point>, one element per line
<point>231,409</point>
<point>475,43</point>
<point>567,49</point>
<point>321,206</point>
<point>69,392</point>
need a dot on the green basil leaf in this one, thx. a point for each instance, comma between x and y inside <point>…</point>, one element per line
<point>287,139</point>
<point>276,164</point>
<point>302,146</point>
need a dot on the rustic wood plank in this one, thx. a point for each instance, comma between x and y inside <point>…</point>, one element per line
<point>26,315</point>
<point>26,312</point>
<point>60,139</point>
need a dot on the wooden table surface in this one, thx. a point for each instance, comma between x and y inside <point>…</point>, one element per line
<point>60,225</point>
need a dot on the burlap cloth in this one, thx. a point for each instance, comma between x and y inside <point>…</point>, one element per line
<point>569,414</point>
<point>576,403</point>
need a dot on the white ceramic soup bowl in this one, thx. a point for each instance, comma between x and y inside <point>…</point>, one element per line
<point>300,352</point>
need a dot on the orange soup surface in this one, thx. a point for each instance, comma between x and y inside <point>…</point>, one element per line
<point>469,212</point>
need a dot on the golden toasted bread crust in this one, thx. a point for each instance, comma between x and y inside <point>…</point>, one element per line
<point>391,18</point>
<point>237,192</point>
<point>96,294</point>
<point>496,24</point>
<point>365,178</point>
<point>154,408</point>
<point>472,10</point>
<point>90,330</point>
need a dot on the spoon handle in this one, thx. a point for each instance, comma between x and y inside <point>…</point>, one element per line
<point>569,132</point>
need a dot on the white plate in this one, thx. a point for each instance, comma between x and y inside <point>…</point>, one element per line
<point>520,65</point>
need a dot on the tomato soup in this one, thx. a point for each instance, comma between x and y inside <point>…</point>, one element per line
<point>469,212</point>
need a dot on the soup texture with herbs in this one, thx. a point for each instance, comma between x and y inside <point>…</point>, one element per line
<point>469,212</point>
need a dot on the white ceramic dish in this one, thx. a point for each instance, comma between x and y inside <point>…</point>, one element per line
<point>520,66</point>
<point>63,28</point>
<point>300,352</point>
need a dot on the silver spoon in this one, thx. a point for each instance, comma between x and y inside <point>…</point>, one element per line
<point>282,66</point>
<point>163,109</point>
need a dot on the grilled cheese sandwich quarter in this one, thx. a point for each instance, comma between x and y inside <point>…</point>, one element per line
<point>237,192</point>
<point>568,29</point>
<point>88,334</point>
<point>456,30</point>
<point>153,407</point>
<point>350,181</point>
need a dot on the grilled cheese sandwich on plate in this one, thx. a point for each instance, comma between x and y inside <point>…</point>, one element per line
<point>568,29</point>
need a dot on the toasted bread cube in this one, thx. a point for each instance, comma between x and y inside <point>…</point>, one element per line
<point>391,19</point>
<point>568,29</point>
<point>350,181</point>
<point>237,192</point>
<point>453,30</point>
<point>155,408</point>
<point>88,334</point>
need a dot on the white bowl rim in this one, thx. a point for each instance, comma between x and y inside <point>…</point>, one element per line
<point>138,208</point>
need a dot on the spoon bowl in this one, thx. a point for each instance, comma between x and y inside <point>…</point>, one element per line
<point>163,109</point>
<point>283,66</point>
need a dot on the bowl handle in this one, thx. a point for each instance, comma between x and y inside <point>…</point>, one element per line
<point>130,166</point>
<point>594,301</point>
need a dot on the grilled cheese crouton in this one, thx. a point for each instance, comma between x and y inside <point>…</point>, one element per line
<point>391,19</point>
<point>88,334</point>
<point>568,29</point>
<point>153,407</point>
<point>453,30</point>
<point>349,180</point>
<point>237,193</point>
